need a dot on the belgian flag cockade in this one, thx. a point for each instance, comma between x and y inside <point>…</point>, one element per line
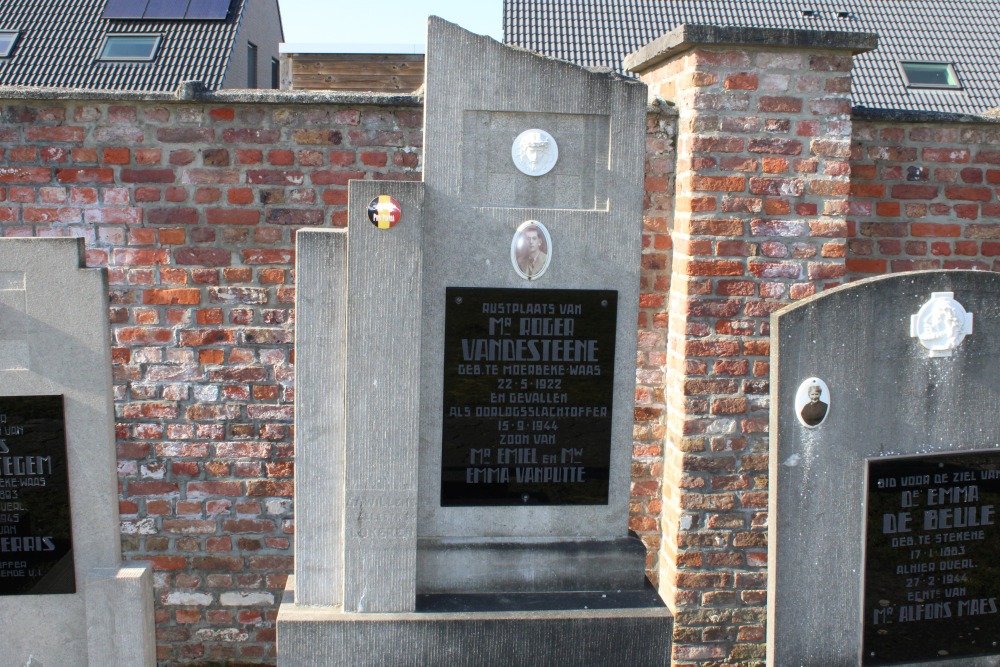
<point>384,212</point>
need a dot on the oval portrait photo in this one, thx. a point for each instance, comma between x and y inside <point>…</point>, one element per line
<point>531,250</point>
<point>812,402</point>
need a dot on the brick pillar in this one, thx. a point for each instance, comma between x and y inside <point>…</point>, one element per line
<point>761,197</point>
<point>645,506</point>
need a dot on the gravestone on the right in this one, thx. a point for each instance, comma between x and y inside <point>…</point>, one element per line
<point>884,537</point>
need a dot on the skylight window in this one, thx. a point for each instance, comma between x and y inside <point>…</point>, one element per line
<point>8,38</point>
<point>930,75</point>
<point>130,47</point>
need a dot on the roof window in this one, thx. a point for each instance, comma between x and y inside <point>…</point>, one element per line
<point>130,47</point>
<point>930,75</point>
<point>808,13</point>
<point>8,38</point>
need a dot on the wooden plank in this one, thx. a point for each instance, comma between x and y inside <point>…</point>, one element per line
<point>358,72</point>
<point>367,85</point>
<point>356,57</point>
<point>359,79</point>
<point>375,70</point>
<point>340,66</point>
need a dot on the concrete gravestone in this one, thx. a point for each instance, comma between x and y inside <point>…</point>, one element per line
<point>65,598</point>
<point>883,517</point>
<point>465,387</point>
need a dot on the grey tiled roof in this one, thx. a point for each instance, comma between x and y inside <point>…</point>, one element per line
<point>61,39</point>
<point>600,33</point>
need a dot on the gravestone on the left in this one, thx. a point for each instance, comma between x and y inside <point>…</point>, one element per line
<point>65,597</point>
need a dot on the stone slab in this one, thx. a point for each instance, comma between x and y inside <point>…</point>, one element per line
<point>356,409</point>
<point>320,426</point>
<point>596,233</point>
<point>577,181</point>
<point>383,364</point>
<point>323,636</point>
<point>688,36</point>
<point>120,609</point>
<point>887,397</point>
<point>467,565</point>
<point>63,350</point>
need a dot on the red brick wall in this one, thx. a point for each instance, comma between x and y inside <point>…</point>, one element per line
<point>193,210</point>
<point>650,399</point>
<point>924,197</point>
<point>780,194</point>
<point>761,195</point>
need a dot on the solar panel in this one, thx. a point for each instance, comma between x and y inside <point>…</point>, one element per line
<point>157,10</point>
<point>166,9</point>
<point>124,9</point>
<point>208,9</point>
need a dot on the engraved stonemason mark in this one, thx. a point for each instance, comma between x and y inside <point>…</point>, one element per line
<point>941,324</point>
<point>534,152</point>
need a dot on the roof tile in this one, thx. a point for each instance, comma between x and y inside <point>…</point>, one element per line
<point>967,33</point>
<point>60,41</point>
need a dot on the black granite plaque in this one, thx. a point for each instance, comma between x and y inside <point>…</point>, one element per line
<point>36,547</point>
<point>932,572</point>
<point>528,386</point>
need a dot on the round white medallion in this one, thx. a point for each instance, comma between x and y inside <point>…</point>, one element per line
<point>534,152</point>
<point>941,324</point>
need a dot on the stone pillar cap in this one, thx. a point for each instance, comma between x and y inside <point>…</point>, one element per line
<point>687,36</point>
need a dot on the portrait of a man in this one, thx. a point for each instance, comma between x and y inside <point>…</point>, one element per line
<point>530,249</point>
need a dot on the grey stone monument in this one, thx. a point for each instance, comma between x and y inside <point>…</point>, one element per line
<point>65,596</point>
<point>463,419</point>
<point>884,467</point>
